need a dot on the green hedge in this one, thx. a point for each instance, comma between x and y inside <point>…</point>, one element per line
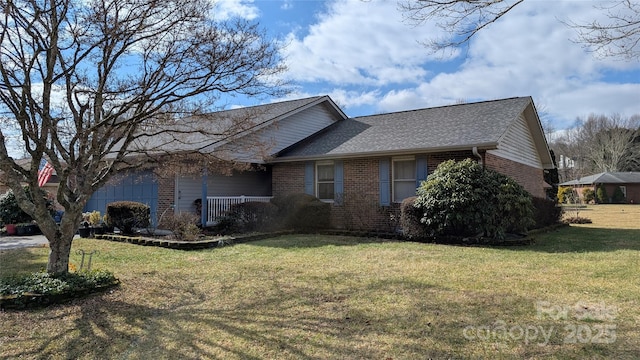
<point>128,215</point>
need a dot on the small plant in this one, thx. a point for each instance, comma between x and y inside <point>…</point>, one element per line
<point>577,220</point>
<point>42,288</point>
<point>183,226</point>
<point>95,218</point>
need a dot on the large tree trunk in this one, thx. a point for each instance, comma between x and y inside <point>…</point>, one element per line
<point>60,249</point>
<point>60,238</point>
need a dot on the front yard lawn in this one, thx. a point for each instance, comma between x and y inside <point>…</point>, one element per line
<point>573,294</point>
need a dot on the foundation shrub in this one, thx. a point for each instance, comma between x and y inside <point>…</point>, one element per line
<point>546,212</point>
<point>410,216</point>
<point>464,199</point>
<point>302,212</point>
<point>128,215</point>
<point>183,226</point>
<point>250,216</point>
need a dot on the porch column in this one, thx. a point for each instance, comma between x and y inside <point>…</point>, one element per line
<point>203,208</point>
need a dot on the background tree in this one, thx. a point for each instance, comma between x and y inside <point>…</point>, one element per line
<point>462,19</point>
<point>88,85</point>
<point>600,144</point>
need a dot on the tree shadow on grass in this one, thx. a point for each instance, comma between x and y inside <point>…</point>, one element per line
<point>195,326</point>
<point>23,260</point>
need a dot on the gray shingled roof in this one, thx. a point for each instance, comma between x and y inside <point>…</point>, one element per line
<point>449,127</point>
<point>607,178</point>
<point>205,132</point>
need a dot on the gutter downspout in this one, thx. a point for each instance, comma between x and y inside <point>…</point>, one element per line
<point>477,154</point>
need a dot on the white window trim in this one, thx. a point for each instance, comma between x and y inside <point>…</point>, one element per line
<point>317,182</point>
<point>393,177</point>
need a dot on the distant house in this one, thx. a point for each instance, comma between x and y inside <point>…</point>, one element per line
<point>357,164</point>
<point>628,182</point>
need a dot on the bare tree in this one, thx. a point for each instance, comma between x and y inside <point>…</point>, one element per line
<point>87,84</point>
<point>461,18</point>
<point>618,36</point>
<point>600,144</point>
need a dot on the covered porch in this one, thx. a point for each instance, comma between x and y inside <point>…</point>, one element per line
<point>217,206</point>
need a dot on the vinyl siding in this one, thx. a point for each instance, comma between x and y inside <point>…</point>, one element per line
<point>517,144</point>
<point>281,134</point>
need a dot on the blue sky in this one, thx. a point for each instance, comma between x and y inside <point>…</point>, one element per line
<point>369,61</point>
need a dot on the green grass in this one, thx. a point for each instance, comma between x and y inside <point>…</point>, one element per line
<point>322,297</point>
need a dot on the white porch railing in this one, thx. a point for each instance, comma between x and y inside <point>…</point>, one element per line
<point>218,205</point>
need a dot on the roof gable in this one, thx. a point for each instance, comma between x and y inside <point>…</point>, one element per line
<point>213,131</point>
<point>446,128</point>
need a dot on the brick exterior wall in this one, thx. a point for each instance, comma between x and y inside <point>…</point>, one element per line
<point>633,191</point>
<point>166,193</point>
<point>360,209</point>
<point>529,177</point>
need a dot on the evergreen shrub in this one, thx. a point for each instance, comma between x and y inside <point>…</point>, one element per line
<point>302,212</point>
<point>128,215</point>
<point>601,195</point>
<point>410,217</point>
<point>464,199</point>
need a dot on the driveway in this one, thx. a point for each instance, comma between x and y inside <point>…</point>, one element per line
<point>15,242</point>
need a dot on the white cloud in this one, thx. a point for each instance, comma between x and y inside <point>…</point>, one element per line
<point>228,9</point>
<point>365,50</point>
<point>357,42</point>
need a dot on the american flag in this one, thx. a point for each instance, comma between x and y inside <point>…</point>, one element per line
<point>44,172</point>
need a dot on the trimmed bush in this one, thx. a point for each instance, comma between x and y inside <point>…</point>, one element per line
<point>302,212</point>
<point>410,217</point>
<point>464,199</point>
<point>546,212</point>
<point>588,195</point>
<point>128,215</point>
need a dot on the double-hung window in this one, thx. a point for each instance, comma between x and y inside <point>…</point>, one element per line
<point>325,180</point>
<point>404,178</point>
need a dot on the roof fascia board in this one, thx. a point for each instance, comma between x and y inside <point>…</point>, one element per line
<point>483,146</point>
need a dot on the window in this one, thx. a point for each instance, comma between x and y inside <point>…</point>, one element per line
<point>624,191</point>
<point>325,180</point>
<point>404,178</point>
